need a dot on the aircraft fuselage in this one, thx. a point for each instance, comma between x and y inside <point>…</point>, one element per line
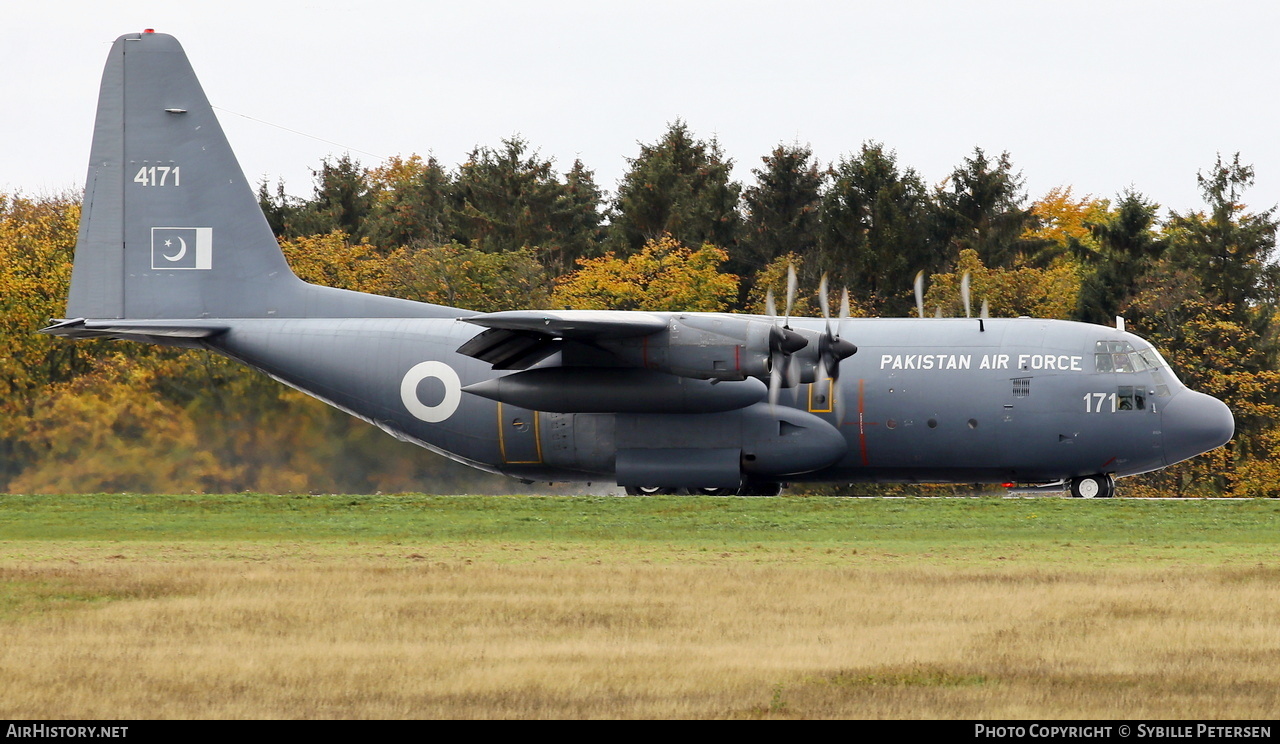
<point>1020,400</point>
<point>174,249</point>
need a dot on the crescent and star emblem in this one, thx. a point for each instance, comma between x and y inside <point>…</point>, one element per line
<point>182,251</point>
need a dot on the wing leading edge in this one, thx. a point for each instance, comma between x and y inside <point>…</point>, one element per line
<point>518,339</point>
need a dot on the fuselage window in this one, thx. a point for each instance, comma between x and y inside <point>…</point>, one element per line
<point>1130,398</point>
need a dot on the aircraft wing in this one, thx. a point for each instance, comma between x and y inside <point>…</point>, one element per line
<point>516,339</point>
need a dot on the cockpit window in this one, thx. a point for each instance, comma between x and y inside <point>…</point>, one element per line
<point>1162,387</point>
<point>1113,356</point>
<point>1121,356</point>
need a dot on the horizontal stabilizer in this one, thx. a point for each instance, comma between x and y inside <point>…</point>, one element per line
<point>133,329</point>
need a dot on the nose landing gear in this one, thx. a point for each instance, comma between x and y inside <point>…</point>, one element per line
<point>1102,486</point>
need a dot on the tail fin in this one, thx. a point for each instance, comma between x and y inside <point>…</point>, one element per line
<point>170,227</point>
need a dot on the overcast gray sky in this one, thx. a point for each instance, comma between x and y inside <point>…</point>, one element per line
<point>1096,95</point>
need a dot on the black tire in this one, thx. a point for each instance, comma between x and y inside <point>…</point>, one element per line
<point>649,491</point>
<point>1099,486</point>
<point>711,491</point>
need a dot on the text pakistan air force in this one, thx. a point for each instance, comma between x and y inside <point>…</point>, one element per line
<point>1057,362</point>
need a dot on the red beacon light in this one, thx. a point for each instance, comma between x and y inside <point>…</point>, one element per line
<point>148,30</point>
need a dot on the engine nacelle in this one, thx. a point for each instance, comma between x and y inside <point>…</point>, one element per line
<point>707,347</point>
<point>616,390</point>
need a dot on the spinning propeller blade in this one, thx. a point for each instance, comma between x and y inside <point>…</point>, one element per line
<point>783,342</point>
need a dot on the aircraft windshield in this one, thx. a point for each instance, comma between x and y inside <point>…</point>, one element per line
<point>1121,356</point>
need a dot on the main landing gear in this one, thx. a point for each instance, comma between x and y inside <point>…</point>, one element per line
<point>751,488</point>
<point>1093,487</point>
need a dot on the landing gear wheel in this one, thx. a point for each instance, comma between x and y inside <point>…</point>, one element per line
<point>760,488</point>
<point>649,491</point>
<point>711,491</point>
<point>1093,487</point>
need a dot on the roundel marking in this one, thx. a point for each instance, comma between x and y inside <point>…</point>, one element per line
<point>452,391</point>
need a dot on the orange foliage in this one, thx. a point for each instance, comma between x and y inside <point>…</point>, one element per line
<point>1062,217</point>
<point>664,275</point>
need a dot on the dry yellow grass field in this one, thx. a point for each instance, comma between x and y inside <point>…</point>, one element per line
<point>534,630</point>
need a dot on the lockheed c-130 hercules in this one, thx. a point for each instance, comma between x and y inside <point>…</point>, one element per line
<point>174,249</point>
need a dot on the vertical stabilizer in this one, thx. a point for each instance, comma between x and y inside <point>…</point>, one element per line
<point>170,227</point>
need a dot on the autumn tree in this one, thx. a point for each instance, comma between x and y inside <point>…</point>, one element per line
<point>37,239</point>
<point>773,278</point>
<point>334,260</point>
<point>1212,352</point>
<point>105,431</point>
<point>1208,303</point>
<point>663,275</point>
<point>1061,218</point>
<point>459,276</point>
<point>112,415</point>
<point>680,187</point>
<point>1010,292</point>
<point>411,203</point>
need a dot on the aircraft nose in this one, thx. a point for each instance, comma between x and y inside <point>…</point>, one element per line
<point>1193,423</point>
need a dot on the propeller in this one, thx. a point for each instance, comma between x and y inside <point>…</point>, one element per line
<point>964,294</point>
<point>832,347</point>
<point>920,293</point>
<point>844,314</point>
<point>783,342</point>
<point>791,294</point>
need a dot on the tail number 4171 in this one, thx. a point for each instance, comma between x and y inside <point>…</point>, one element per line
<point>159,175</point>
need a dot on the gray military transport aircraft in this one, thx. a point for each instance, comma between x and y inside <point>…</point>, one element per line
<point>173,249</point>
